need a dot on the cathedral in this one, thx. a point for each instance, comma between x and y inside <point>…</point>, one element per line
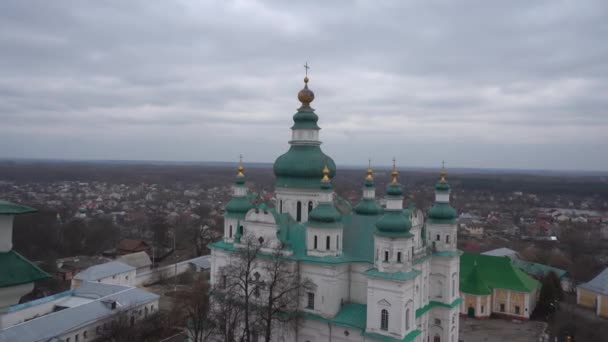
<point>381,272</point>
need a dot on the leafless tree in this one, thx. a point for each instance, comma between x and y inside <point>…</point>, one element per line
<point>264,284</point>
<point>192,307</point>
<point>281,292</point>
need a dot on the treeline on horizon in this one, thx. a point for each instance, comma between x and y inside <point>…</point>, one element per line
<point>208,176</point>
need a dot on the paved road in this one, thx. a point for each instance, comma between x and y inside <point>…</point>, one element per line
<point>499,330</point>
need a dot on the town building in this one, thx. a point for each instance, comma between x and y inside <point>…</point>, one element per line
<point>113,272</point>
<point>492,285</point>
<point>140,260</point>
<point>17,274</point>
<point>379,273</point>
<point>87,313</point>
<point>594,294</point>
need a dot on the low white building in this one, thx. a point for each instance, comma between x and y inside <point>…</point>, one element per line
<point>82,314</point>
<point>113,272</point>
<point>140,260</point>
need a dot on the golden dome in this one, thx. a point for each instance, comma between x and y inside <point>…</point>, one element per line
<point>325,174</point>
<point>306,96</point>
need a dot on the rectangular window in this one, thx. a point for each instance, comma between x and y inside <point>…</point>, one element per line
<point>502,308</point>
<point>385,256</point>
<point>438,238</point>
<point>437,321</point>
<point>311,301</point>
<point>398,256</point>
<point>447,239</point>
<point>482,309</point>
<point>517,310</point>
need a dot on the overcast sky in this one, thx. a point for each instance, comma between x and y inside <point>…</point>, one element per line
<point>493,84</point>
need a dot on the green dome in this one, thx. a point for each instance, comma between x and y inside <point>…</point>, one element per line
<point>239,180</point>
<point>394,189</point>
<point>442,212</point>
<point>325,214</point>
<point>302,166</point>
<point>305,119</point>
<point>368,207</point>
<point>394,221</point>
<point>442,186</point>
<point>239,205</point>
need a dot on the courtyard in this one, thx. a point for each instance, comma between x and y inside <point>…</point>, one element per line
<point>499,330</point>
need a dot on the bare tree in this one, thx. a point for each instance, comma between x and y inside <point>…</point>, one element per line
<point>282,292</point>
<point>239,279</point>
<point>264,284</point>
<point>192,306</point>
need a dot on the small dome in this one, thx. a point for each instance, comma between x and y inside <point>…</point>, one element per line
<point>394,221</point>
<point>368,207</point>
<point>442,212</point>
<point>238,205</point>
<point>306,96</point>
<point>324,213</point>
<point>394,189</point>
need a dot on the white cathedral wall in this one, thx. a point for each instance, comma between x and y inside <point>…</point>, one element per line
<point>358,282</point>
<point>288,198</point>
<point>335,241</point>
<point>443,322</point>
<point>444,278</point>
<point>331,286</point>
<point>434,230</point>
<point>6,233</point>
<point>395,297</point>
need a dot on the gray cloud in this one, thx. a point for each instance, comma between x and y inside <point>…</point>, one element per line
<point>504,84</point>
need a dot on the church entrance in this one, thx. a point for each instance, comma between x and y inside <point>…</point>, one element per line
<point>437,338</point>
<point>471,312</point>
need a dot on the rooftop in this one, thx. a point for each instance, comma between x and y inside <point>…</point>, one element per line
<point>86,304</point>
<point>598,284</point>
<point>108,269</point>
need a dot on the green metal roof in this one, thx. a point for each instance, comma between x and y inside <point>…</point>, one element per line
<point>474,284</point>
<point>442,186</point>
<point>394,189</point>
<point>352,315</point>
<point>368,207</point>
<point>373,272</point>
<point>442,213</point>
<point>305,118</point>
<point>394,221</point>
<point>239,205</point>
<point>408,338</point>
<point>8,208</point>
<point>325,215</point>
<point>302,167</point>
<point>433,304</point>
<point>495,272</point>
<point>538,270</point>
<point>17,270</point>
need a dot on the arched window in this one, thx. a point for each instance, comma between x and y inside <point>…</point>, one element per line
<point>230,231</point>
<point>384,319</point>
<point>453,286</point>
<point>398,256</point>
<point>280,206</point>
<point>315,242</point>
<point>385,256</point>
<point>407,319</point>
<point>337,242</point>
<point>299,211</point>
<point>447,239</point>
<point>241,230</point>
<point>438,237</point>
<point>327,243</point>
<point>309,206</point>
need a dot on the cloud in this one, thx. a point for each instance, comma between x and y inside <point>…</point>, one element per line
<point>487,84</point>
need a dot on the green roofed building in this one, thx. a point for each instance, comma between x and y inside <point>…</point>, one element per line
<point>379,273</point>
<point>492,285</point>
<point>17,274</point>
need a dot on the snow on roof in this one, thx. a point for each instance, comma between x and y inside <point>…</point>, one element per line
<point>102,271</point>
<point>598,284</point>
<point>137,260</point>
<point>50,327</point>
<point>203,262</point>
<point>501,252</point>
